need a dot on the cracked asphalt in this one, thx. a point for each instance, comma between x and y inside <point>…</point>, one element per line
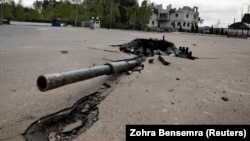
<point>211,90</point>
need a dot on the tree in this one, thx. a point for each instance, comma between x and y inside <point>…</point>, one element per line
<point>13,7</point>
<point>217,25</point>
<point>30,14</point>
<point>111,12</point>
<point>38,5</point>
<point>7,10</point>
<point>46,5</point>
<point>64,10</point>
<point>19,11</point>
<point>226,33</point>
<point>144,14</point>
<point>211,31</point>
<point>132,14</point>
<point>125,7</point>
<point>216,31</point>
<point>222,32</point>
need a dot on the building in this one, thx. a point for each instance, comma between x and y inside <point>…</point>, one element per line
<point>246,18</point>
<point>172,19</point>
<point>240,29</point>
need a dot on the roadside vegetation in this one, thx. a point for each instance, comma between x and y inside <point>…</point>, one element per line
<point>125,12</point>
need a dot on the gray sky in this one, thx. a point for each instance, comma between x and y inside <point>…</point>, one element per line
<point>211,11</point>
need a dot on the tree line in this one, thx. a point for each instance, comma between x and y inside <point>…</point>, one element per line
<point>127,12</point>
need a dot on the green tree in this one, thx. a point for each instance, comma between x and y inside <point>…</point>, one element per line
<point>125,7</point>
<point>64,10</point>
<point>38,5</point>
<point>111,12</point>
<point>132,14</point>
<point>19,11</point>
<point>46,5</point>
<point>32,15</point>
<point>92,9</point>
<point>7,10</point>
<point>13,7</point>
<point>144,14</point>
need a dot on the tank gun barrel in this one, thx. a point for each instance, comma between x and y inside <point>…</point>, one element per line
<point>51,81</point>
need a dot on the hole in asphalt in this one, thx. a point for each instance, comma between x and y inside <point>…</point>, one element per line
<point>68,123</point>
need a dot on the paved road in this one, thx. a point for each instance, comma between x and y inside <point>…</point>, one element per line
<point>186,92</point>
<point>29,23</point>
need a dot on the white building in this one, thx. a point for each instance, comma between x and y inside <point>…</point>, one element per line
<point>172,19</point>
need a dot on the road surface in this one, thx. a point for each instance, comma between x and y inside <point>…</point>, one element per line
<point>211,90</point>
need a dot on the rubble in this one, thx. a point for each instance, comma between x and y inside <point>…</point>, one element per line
<point>64,52</point>
<point>224,98</point>
<point>151,47</point>
<point>151,61</point>
<point>164,62</point>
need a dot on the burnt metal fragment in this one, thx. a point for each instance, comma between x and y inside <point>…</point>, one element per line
<point>224,98</point>
<point>151,61</point>
<point>107,84</point>
<point>64,52</point>
<point>151,47</point>
<point>164,62</point>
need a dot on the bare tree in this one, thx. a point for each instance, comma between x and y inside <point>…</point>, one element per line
<point>217,24</point>
<point>241,11</point>
<point>248,9</point>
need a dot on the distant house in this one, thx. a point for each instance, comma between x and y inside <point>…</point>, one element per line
<point>246,18</point>
<point>240,29</point>
<point>174,19</point>
<point>205,29</point>
<point>153,22</point>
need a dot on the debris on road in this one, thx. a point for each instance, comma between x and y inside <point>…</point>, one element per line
<point>64,52</point>
<point>164,62</point>
<point>151,47</point>
<point>103,50</point>
<point>224,98</point>
<point>107,84</point>
<point>151,61</point>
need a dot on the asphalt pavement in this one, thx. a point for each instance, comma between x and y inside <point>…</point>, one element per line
<point>213,89</point>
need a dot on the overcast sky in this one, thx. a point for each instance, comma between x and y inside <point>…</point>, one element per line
<point>210,10</point>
